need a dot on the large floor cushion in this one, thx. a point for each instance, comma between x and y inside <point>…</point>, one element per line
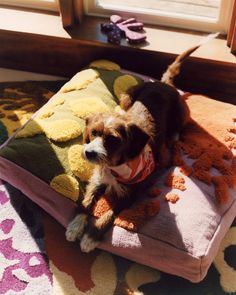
<point>197,195</point>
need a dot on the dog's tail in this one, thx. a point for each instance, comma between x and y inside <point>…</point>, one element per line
<point>174,69</point>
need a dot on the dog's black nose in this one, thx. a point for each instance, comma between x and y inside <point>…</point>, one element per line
<point>90,155</point>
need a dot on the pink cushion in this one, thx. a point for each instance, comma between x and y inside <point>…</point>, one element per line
<point>182,239</point>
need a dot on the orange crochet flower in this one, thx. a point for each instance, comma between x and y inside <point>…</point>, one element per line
<point>172,198</point>
<point>186,170</point>
<point>175,181</point>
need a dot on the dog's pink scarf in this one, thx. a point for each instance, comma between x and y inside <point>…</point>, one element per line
<point>135,170</point>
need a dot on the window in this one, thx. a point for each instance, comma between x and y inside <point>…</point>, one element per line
<point>37,4</point>
<point>202,15</point>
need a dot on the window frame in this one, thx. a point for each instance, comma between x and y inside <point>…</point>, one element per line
<point>231,38</point>
<point>167,19</point>
<point>33,4</point>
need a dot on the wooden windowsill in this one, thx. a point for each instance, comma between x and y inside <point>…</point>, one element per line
<point>159,39</point>
<point>37,42</point>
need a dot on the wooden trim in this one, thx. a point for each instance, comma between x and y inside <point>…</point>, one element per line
<point>231,39</point>
<point>232,25</point>
<point>67,12</point>
<point>71,12</point>
<point>31,52</point>
<point>79,10</point>
<point>233,42</point>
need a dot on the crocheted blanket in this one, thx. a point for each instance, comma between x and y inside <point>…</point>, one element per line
<point>210,144</point>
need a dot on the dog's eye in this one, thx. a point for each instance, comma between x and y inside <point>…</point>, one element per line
<point>94,132</point>
<point>112,140</point>
<point>122,131</point>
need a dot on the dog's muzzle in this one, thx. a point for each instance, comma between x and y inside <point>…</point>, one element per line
<point>91,155</point>
<point>95,151</point>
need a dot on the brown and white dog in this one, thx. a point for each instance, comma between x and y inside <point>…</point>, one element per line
<point>127,150</point>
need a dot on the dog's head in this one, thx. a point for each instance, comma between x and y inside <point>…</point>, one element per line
<point>112,139</point>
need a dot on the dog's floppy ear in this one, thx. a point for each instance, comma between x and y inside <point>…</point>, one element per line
<point>86,136</point>
<point>137,139</point>
<point>86,131</point>
<point>87,121</point>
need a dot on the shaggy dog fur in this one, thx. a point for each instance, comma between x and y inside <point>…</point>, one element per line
<point>127,149</point>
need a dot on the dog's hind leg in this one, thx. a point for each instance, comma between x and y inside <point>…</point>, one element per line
<point>125,101</point>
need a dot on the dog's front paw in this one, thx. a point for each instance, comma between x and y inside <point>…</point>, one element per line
<point>88,244</point>
<point>76,228</point>
<point>87,201</point>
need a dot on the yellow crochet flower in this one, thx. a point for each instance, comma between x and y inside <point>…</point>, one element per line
<point>47,113</point>
<point>86,107</point>
<point>58,100</point>
<point>62,130</point>
<point>66,185</point>
<point>105,65</point>
<point>79,166</point>
<point>80,80</point>
<point>123,83</point>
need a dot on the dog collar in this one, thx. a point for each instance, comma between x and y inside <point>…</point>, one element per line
<point>135,170</point>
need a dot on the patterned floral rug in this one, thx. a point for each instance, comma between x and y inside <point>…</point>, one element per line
<point>35,258</point>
